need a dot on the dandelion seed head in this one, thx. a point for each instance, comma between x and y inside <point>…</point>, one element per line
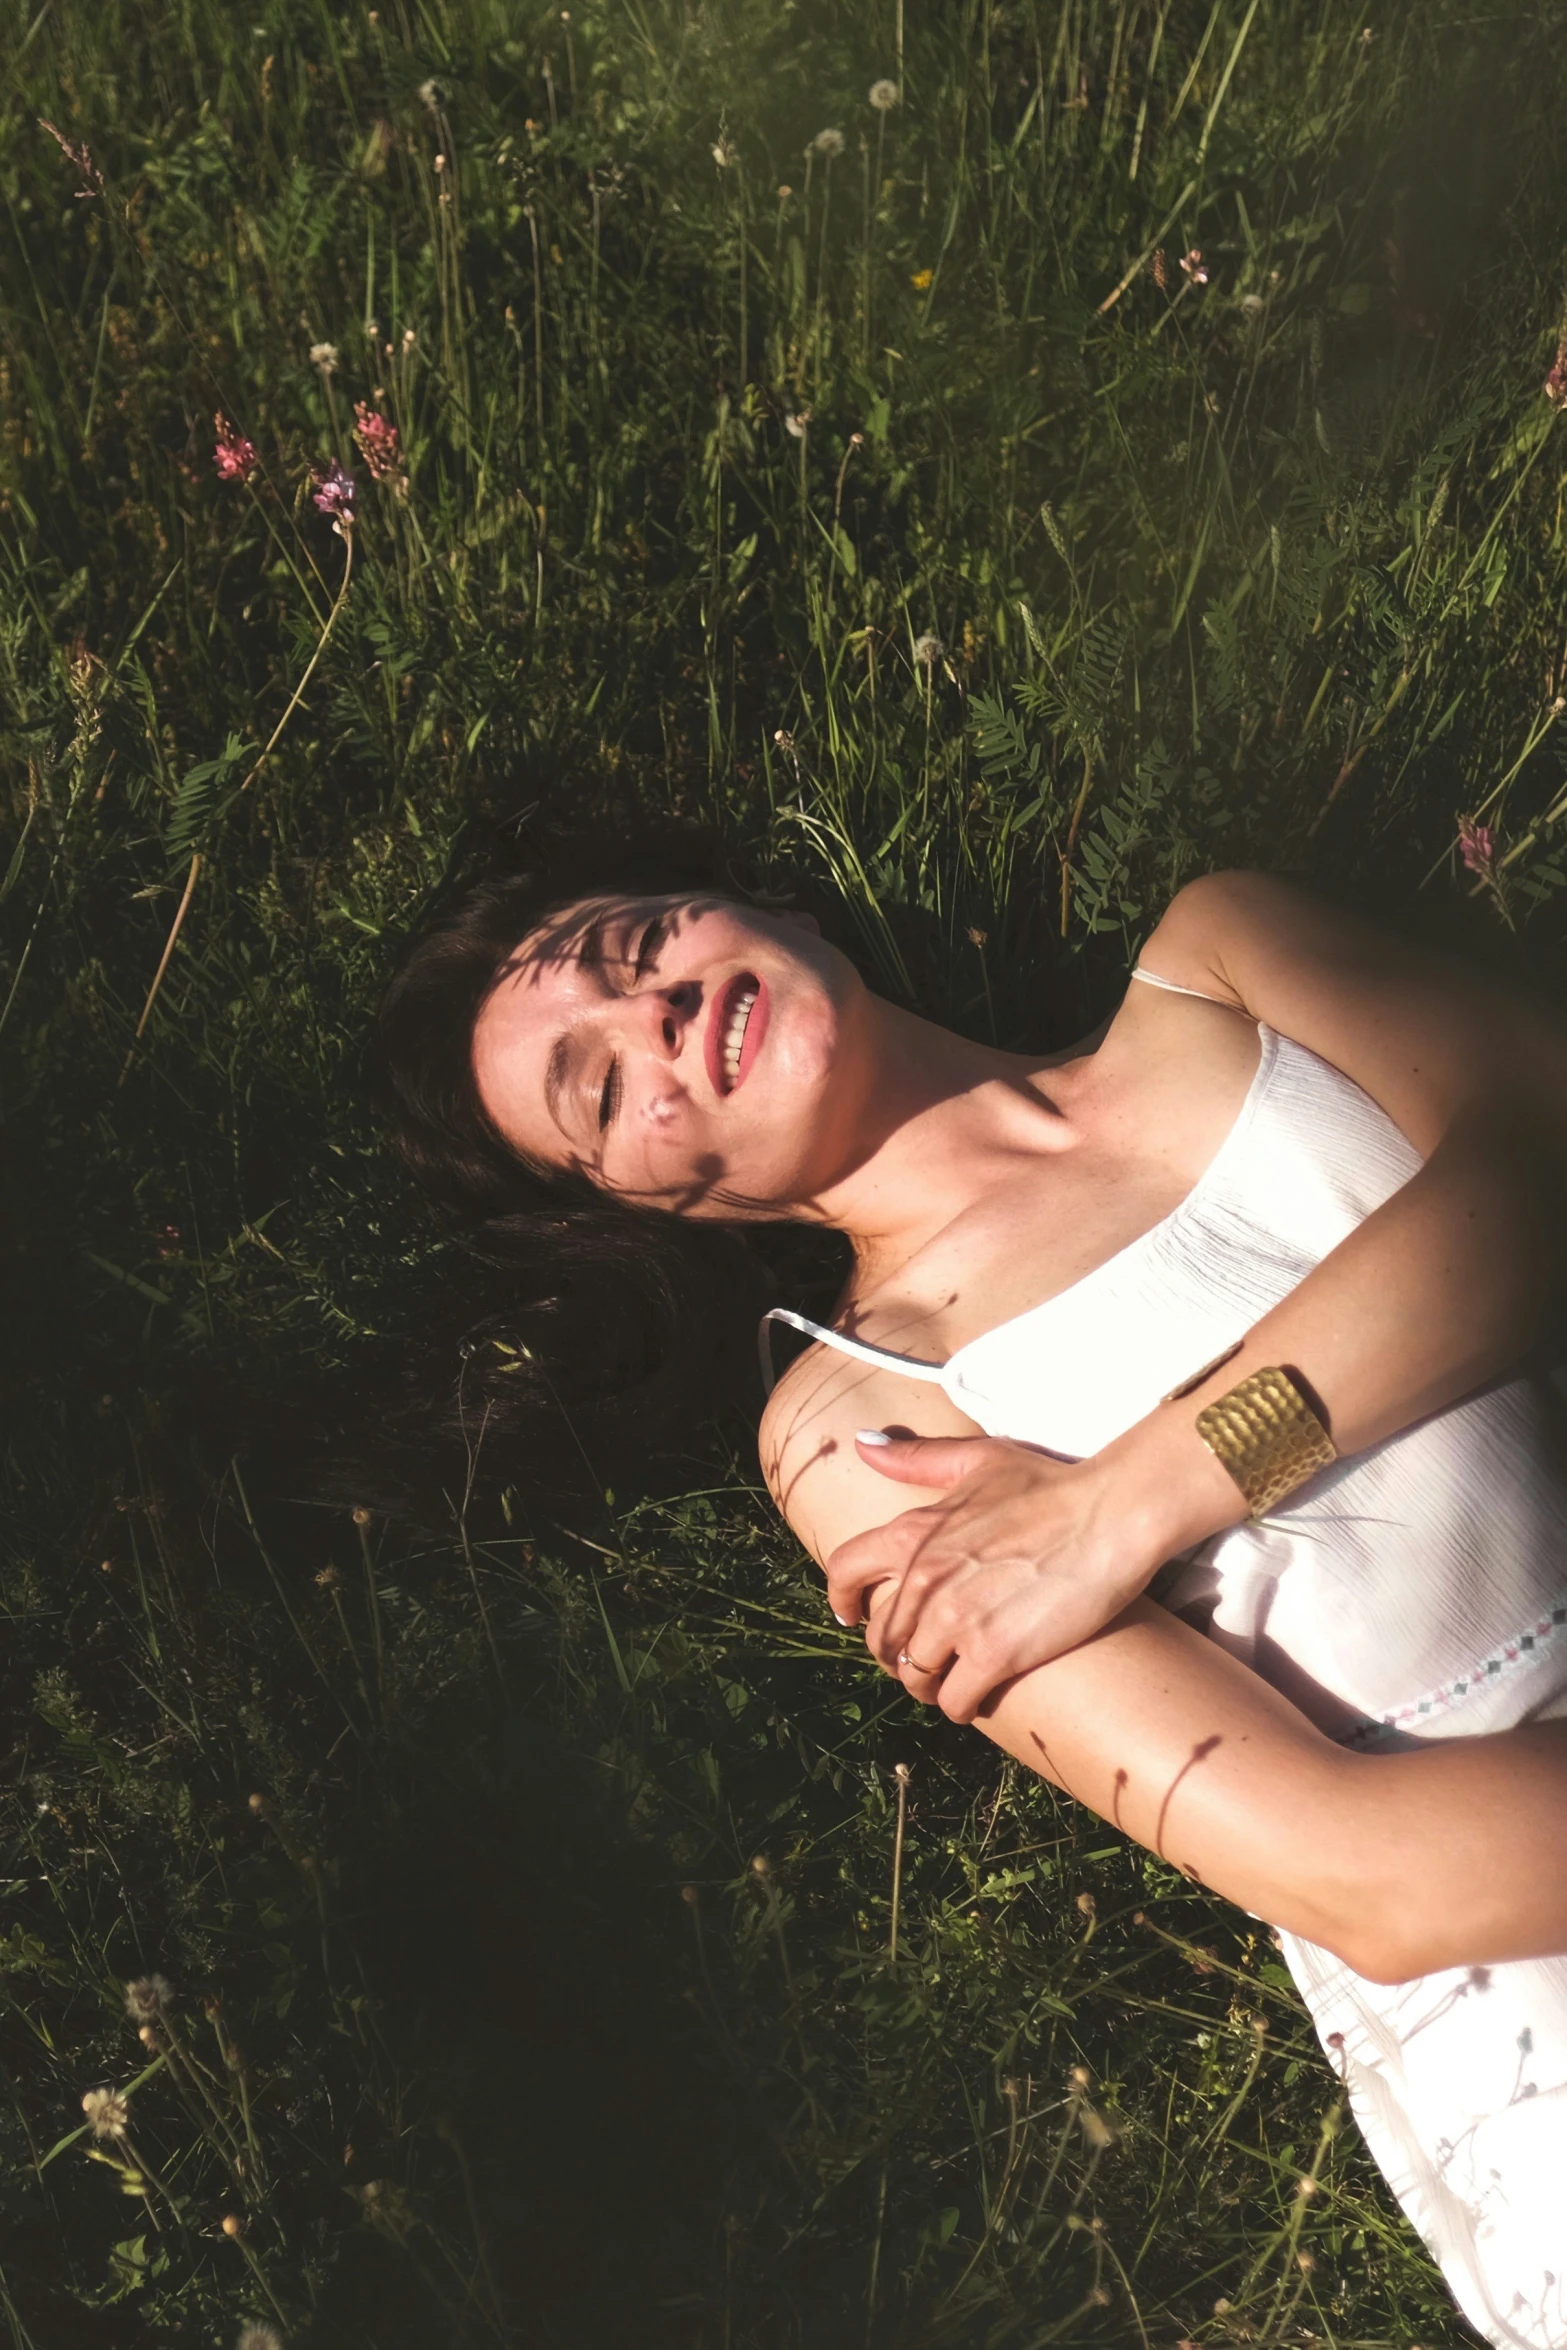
<point>147,1997</point>
<point>884,96</point>
<point>429,95</point>
<point>784,191</point>
<point>259,2338</point>
<point>1251,303</point>
<point>107,2113</point>
<point>928,650</point>
<point>829,143</point>
<point>324,356</point>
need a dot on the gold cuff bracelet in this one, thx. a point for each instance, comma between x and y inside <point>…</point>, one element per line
<point>1268,1438</point>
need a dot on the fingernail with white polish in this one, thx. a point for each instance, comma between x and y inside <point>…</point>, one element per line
<point>870,1436</point>
<point>846,1621</point>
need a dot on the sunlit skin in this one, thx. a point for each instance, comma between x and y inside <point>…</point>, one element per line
<point>972,1184</point>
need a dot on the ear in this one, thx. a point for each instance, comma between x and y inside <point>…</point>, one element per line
<point>802,921</point>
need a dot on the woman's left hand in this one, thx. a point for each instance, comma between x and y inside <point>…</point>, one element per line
<point>1024,1558</point>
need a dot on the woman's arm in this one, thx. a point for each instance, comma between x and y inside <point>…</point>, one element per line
<point>1401,1864</point>
<point>1443,1287</point>
<point>1453,1278</point>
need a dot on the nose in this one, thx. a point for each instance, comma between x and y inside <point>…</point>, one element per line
<point>662,1015</point>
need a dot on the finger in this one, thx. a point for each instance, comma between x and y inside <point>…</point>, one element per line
<point>923,1460</point>
<point>921,1614</point>
<point>965,1688</point>
<point>922,1675</point>
<point>878,1556</point>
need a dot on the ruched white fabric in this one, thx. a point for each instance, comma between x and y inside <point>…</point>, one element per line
<point>1422,1583</point>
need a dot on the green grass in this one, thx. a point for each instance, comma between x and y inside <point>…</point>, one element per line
<point>527,1895</point>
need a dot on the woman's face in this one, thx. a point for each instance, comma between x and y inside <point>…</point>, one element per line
<point>681,1051</point>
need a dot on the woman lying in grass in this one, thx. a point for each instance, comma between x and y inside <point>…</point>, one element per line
<point>1303,1175</point>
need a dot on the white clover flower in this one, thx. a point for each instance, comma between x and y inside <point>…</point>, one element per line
<point>107,2112</point>
<point>324,356</point>
<point>884,95</point>
<point>829,143</point>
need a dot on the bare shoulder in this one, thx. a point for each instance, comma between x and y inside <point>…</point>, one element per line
<point>806,1443</point>
<point>1419,1033</point>
<point>1205,929</point>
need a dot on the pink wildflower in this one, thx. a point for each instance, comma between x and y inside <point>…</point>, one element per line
<point>379,443</point>
<point>1477,847</point>
<point>79,155</point>
<point>1192,266</point>
<point>334,495</point>
<point>1555,386</point>
<point>234,456</point>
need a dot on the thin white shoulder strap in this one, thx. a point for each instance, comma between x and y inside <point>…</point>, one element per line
<point>1173,987</point>
<point>881,1357</point>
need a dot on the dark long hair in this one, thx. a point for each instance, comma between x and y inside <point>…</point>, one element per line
<point>615,1331</point>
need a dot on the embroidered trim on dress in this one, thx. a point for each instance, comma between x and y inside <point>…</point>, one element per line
<point>1523,1650</point>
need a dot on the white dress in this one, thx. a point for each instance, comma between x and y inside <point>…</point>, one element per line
<point>1423,1582</point>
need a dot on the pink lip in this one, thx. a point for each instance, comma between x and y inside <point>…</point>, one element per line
<point>718,1021</point>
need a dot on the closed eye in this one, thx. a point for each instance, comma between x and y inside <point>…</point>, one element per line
<point>652,939</point>
<point>609,1097</point>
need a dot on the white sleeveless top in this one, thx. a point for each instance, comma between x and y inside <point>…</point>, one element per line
<point>1422,1582</point>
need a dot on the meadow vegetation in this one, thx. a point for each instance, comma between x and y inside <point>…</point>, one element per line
<point>993,461</point>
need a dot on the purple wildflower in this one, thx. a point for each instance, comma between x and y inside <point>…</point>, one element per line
<point>334,495</point>
<point>1192,266</point>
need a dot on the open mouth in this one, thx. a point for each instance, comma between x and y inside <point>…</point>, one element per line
<point>735,1033</point>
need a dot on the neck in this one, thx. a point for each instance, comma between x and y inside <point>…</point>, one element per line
<point>940,1119</point>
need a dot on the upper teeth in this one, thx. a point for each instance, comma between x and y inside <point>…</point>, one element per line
<point>734,1033</point>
